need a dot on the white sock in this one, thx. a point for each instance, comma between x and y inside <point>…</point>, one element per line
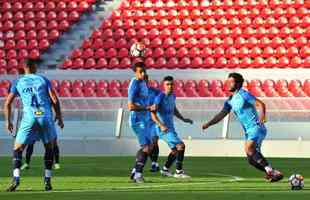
<point>268,169</point>
<point>137,175</point>
<point>16,172</point>
<point>133,170</point>
<point>165,168</point>
<point>48,173</point>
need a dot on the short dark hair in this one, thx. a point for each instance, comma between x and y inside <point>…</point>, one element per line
<point>238,79</point>
<point>30,62</point>
<point>137,65</point>
<point>146,77</point>
<point>168,78</point>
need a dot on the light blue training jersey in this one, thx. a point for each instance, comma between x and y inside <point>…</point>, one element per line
<point>34,93</point>
<point>166,105</point>
<point>138,94</point>
<point>242,104</point>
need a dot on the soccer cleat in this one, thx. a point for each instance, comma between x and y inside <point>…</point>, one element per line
<point>165,173</point>
<point>56,166</point>
<point>139,180</point>
<point>25,166</point>
<point>133,172</point>
<point>181,174</point>
<point>13,186</point>
<point>47,183</point>
<point>132,176</point>
<point>154,168</point>
<point>274,176</point>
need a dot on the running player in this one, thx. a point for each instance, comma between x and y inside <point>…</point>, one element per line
<point>163,116</point>
<point>138,119</point>
<point>244,104</point>
<point>38,99</point>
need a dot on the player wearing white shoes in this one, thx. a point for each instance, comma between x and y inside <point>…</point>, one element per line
<point>163,117</point>
<point>244,104</point>
<point>138,118</point>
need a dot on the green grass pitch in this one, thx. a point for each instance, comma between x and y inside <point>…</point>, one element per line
<point>108,178</point>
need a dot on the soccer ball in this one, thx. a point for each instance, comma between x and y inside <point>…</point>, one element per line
<point>137,49</point>
<point>296,182</point>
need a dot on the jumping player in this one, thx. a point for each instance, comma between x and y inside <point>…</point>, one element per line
<point>138,119</point>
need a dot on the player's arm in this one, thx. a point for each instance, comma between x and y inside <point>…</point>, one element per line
<point>8,111</point>
<point>56,107</point>
<point>180,116</point>
<point>262,107</point>
<point>217,118</point>
<point>135,107</point>
<point>159,123</point>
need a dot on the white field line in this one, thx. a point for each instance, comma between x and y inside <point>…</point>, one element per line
<point>131,188</point>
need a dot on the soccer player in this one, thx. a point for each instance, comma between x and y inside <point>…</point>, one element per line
<point>38,99</point>
<point>163,117</point>
<point>244,104</point>
<point>138,118</point>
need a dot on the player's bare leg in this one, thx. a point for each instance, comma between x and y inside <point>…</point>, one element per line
<point>256,159</point>
<point>141,159</point>
<point>170,160</point>
<point>179,162</point>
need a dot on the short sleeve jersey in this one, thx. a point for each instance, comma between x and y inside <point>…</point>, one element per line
<point>138,94</point>
<point>34,93</point>
<point>166,105</point>
<point>243,105</point>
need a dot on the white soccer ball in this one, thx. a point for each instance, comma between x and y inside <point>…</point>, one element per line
<point>137,49</point>
<point>296,181</point>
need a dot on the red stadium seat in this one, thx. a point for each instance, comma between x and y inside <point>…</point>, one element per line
<point>19,35</point>
<point>53,35</point>
<point>113,63</point>
<point>125,63</point>
<point>67,64</point>
<point>241,34</point>
<point>2,72</point>
<point>87,53</point>
<point>90,63</point>
<point>11,54</point>
<point>101,63</point>
<point>170,52</point>
<point>173,63</point>
<point>21,44</point>
<point>77,63</point>
<point>32,44</point>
